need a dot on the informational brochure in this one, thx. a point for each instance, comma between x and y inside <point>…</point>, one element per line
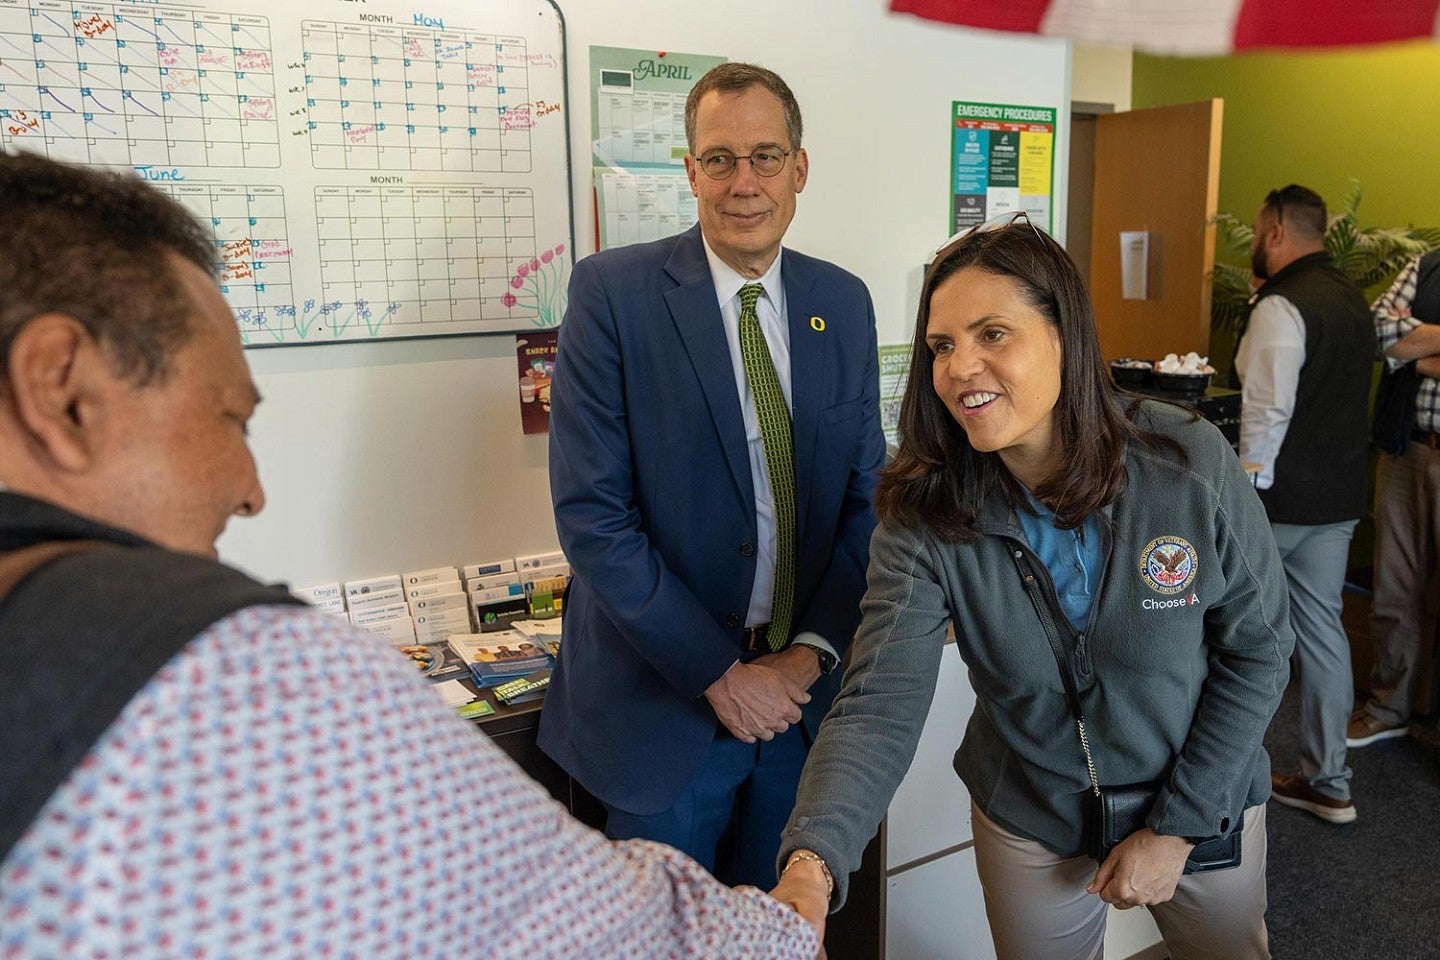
<point>535,362</point>
<point>894,371</point>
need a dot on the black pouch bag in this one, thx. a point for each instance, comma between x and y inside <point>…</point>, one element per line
<point>1117,812</point>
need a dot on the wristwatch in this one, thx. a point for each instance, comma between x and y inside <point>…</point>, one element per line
<point>826,658</point>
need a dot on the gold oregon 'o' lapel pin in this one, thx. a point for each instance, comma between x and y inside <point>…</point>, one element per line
<point>817,324</point>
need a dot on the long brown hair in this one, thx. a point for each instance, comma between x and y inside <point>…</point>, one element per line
<point>938,480</point>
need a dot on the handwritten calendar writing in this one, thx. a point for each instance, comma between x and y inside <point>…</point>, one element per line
<point>383,97</point>
<point>367,171</point>
<point>251,245</point>
<point>437,253</point>
<point>137,85</point>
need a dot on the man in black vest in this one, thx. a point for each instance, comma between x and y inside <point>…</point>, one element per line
<point>1304,360</point>
<point>192,764</point>
<point>1407,496</point>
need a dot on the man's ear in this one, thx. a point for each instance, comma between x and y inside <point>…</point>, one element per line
<point>1276,236</point>
<point>60,381</point>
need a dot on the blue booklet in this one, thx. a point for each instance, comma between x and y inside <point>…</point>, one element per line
<point>503,655</point>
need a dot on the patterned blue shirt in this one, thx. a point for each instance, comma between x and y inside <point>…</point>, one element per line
<point>289,789</point>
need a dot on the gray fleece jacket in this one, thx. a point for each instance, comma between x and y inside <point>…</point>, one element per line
<point>1179,672</point>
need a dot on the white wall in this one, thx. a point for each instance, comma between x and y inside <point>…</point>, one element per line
<point>379,457</point>
<point>1102,75</point>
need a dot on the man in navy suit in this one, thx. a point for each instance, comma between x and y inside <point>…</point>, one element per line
<point>674,701</point>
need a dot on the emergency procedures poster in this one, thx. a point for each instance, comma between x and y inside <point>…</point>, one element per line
<point>1003,160</point>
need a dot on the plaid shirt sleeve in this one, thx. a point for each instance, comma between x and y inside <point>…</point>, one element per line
<point>285,788</point>
<point>1392,322</point>
<point>1392,311</point>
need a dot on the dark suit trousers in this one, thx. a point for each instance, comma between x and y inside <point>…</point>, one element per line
<point>730,816</point>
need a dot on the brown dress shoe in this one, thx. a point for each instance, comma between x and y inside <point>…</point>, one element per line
<point>1295,792</point>
<point>1365,729</point>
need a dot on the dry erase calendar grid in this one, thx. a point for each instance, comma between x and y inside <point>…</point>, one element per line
<point>142,86</point>
<point>419,255</point>
<point>251,240</point>
<point>415,98</point>
<point>252,246</point>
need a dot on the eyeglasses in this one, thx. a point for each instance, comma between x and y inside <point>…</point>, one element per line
<point>766,161</point>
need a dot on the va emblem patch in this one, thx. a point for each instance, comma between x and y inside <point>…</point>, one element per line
<point>1168,564</point>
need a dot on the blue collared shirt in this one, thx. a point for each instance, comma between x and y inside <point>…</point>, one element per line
<point>1075,558</point>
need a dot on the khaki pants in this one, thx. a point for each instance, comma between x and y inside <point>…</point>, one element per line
<point>1038,908</point>
<point>1407,530</point>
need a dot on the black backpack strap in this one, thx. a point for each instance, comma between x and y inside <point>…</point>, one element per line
<point>19,564</point>
<point>83,628</point>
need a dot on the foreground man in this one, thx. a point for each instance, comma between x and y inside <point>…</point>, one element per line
<point>185,773</point>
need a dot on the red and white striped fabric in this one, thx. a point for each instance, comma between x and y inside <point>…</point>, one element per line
<point>1196,27</point>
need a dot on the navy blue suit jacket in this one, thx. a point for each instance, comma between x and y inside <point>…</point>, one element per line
<point>655,507</point>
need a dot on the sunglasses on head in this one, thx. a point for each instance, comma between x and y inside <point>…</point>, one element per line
<point>998,222</point>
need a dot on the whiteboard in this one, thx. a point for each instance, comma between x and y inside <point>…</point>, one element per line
<point>370,171</point>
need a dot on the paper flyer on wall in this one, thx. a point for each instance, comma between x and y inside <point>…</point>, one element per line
<point>637,113</point>
<point>1002,160</point>
<point>535,363</point>
<point>894,370</point>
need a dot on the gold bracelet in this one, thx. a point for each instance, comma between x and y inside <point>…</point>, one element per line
<point>813,858</point>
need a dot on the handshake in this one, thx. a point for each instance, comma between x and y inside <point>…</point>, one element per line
<point>805,886</point>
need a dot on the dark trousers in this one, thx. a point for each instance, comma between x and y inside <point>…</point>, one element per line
<point>1407,536</point>
<point>730,816</point>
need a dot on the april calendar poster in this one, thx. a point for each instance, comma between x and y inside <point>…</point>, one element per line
<point>369,170</point>
<point>637,112</point>
<point>1002,160</point>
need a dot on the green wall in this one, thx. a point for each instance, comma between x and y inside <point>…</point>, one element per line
<point>1319,119</point>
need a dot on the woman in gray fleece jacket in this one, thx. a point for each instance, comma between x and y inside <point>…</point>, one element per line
<point>1149,546</point>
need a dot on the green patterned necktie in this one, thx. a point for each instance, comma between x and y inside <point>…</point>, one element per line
<point>774,419</point>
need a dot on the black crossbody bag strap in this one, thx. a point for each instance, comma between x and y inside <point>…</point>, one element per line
<point>1052,633</point>
<point>18,565</point>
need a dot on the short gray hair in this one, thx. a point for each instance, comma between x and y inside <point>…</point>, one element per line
<point>737,78</point>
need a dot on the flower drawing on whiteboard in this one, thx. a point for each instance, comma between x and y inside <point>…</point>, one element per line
<point>538,286</point>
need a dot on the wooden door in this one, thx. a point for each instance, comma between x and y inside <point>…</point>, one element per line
<point>1156,170</point>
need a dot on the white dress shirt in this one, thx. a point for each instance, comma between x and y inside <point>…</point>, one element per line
<point>1269,360</point>
<point>770,310</point>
